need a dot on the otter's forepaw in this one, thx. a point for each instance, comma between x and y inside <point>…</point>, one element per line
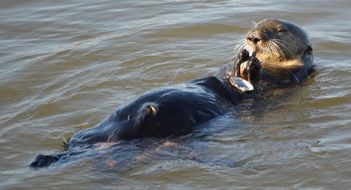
<point>253,70</point>
<point>247,66</point>
<point>242,57</point>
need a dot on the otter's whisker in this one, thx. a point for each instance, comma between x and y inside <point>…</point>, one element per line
<point>254,22</point>
<point>277,49</point>
<point>266,49</point>
<point>270,47</point>
<point>282,45</point>
<point>240,46</point>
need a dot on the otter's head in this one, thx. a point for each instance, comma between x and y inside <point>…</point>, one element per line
<point>277,42</point>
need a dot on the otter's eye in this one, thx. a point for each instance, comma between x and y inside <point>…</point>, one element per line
<point>281,29</point>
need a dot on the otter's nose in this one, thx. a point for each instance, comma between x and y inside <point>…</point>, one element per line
<point>253,37</point>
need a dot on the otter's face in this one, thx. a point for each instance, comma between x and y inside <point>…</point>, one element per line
<point>275,40</point>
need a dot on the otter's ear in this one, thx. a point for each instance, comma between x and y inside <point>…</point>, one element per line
<point>308,49</point>
<point>151,109</point>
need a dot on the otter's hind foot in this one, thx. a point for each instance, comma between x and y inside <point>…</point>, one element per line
<point>42,161</point>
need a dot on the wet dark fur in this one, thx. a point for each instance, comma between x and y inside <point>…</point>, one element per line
<point>164,112</point>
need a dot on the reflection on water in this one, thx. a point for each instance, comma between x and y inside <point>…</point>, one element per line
<point>64,66</point>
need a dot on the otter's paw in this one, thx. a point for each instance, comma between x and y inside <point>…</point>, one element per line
<point>248,68</point>
<point>242,57</point>
<point>253,70</point>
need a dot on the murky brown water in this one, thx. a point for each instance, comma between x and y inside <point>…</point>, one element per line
<point>65,65</point>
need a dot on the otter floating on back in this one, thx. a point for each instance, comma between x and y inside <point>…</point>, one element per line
<point>275,53</point>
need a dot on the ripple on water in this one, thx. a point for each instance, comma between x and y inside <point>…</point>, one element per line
<point>65,66</point>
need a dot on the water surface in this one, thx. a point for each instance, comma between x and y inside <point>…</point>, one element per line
<point>66,65</point>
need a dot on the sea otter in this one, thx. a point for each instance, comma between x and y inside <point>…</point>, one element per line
<point>164,112</point>
<point>274,53</point>
<point>284,53</point>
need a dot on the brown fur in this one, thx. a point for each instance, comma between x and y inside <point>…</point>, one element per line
<point>291,40</point>
<point>283,50</point>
